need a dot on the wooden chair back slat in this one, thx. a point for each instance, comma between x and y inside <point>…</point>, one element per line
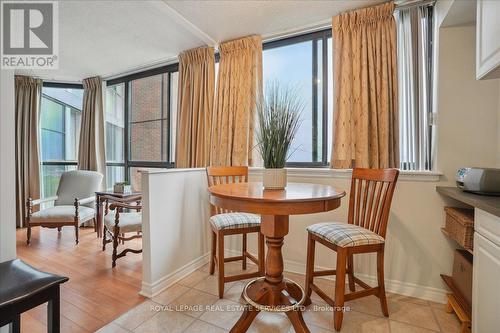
<point>225,175</point>
<point>371,197</point>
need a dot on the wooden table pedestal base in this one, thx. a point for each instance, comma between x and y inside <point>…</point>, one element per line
<point>262,295</point>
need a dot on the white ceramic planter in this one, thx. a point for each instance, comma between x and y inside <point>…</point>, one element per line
<point>274,179</point>
<point>121,188</point>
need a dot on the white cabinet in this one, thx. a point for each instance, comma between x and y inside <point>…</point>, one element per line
<point>488,39</point>
<point>486,274</point>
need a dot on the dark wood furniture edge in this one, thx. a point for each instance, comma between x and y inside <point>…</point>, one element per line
<point>466,307</point>
<point>490,204</point>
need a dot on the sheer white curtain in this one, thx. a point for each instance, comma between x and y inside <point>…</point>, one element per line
<point>414,31</point>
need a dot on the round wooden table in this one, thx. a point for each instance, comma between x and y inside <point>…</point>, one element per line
<point>273,292</point>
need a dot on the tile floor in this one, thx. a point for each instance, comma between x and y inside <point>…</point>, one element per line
<point>192,305</point>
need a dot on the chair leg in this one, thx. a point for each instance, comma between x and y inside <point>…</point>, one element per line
<point>15,325</point>
<point>104,239</point>
<point>311,248</point>
<point>76,234</point>
<point>338,314</point>
<point>381,284</point>
<point>220,262</point>
<point>261,254</point>
<point>59,229</point>
<point>115,246</point>
<point>243,251</point>
<point>214,253</point>
<point>350,272</point>
<point>28,235</point>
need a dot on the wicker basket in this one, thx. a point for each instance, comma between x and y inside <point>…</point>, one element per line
<point>460,226</point>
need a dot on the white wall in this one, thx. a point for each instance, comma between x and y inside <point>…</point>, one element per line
<point>7,167</point>
<point>467,109</point>
<point>175,226</point>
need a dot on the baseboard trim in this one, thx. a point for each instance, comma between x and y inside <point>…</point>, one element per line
<point>152,289</point>
<point>392,286</point>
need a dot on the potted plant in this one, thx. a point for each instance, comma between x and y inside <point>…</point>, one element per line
<point>123,187</point>
<point>278,113</point>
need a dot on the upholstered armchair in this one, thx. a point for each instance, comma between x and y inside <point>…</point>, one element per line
<point>73,203</point>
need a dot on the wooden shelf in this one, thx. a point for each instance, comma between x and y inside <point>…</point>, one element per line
<point>460,300</point>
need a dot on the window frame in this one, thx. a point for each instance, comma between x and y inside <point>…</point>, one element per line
<point>128,163</point>
<point>314,37</point>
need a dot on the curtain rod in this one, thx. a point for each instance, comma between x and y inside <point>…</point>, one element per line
<point>403,4</point>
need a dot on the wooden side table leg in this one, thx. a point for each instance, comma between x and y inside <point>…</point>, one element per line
<point>98,216</point>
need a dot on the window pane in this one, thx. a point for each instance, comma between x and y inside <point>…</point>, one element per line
<point>135,179</point>
<point>146,141</point>
<point>60,120</point>
<point>114,174</point>
<point>74,119</point>
<point>50,178</point>
<point>146,98</point>
<point>149,118</point>
<point>115,123</point>
<point>291,65</point>
<point>52,116</point>
<point>52,145</point>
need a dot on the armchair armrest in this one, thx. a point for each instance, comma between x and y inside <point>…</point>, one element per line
<point>85,200</point>
<point>40,201</point>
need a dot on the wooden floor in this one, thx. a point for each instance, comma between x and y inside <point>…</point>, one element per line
<point>95,294</point>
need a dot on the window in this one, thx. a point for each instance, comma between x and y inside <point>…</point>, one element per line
<point>60,118</point>
<point>415,66</point>
<point>303,62</point>
<point>115,134</point>
<point>140,117</point>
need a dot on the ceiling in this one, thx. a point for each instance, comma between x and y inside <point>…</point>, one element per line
<point>108,38</point>
<point>460,13</point>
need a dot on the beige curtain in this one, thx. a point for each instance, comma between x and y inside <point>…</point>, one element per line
<point>28,92</point>
<point>91,154</point>
<point>195,107</point>
<point>239,83</point>
<point>365,76</point>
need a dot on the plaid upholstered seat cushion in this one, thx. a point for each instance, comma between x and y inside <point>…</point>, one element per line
<point>345,235</point>
<point>234,220</point>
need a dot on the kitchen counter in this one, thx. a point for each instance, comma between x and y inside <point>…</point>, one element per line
<point>489,204</point>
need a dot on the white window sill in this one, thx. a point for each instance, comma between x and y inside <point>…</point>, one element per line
<point>417,176</point>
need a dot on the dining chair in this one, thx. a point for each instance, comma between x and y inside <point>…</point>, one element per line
<point>224,222</point>
<point>369,205</point>
<point>73,203</point>
<point>118,223</point>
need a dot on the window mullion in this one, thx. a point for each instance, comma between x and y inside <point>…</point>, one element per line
<point>126,153</point>
<point>314,100</point>
<point>325,100</point>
